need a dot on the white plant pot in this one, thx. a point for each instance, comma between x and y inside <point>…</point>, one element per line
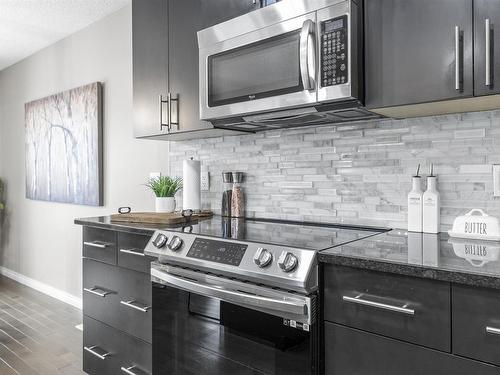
<point>165,204</point>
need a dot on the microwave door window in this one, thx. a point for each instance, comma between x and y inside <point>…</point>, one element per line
<point>267,68</point>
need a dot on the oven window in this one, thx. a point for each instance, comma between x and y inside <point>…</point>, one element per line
<point>193,334</point>
<point>267,68</point>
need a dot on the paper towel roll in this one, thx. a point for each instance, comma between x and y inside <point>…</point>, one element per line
<point>191,191</point>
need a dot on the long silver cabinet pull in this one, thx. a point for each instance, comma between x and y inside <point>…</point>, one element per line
<point>133,370</point>
<point>360,301</point>
<point>95,289</point>
<point>307,55</point>
<point>98,244</point>
<point>492,330</point>
<point>133,252</point>
<point>458,55</point>
<point>134,305</point>
<point>487,51</point>
<point>92,350</point>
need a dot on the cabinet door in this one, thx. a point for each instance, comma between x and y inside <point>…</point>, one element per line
<point>150,64</point>
<point>186,18</point>
<point>411,50</point>
<point>486,47</point>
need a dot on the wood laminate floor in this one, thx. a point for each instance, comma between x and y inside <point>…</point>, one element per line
<point>37,333</point>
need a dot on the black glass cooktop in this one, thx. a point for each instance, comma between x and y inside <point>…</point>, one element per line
<point>295,234</point>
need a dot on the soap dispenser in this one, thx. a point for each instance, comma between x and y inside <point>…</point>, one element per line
<point>415,204</point>
<point>431,205</point>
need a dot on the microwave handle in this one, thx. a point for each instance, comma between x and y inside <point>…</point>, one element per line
<point>307,55</point>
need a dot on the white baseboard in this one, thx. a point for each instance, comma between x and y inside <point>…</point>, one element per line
<point>41,287</point>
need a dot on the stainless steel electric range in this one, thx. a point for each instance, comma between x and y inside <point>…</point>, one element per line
<point>235,296</point>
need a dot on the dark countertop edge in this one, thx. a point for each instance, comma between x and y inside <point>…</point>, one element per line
<point>115,226</point>
<point>413,270</point>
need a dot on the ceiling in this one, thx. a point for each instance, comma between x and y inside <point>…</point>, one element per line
<point>26,26</point>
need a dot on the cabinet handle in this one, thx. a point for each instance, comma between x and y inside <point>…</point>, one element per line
<point>487,52</point>
<point>458,59</point>
<point>134,305</point>
<point>358,300</point>
<point>95,289</point>
<point>98,244</point>
<point>133,370</point>
<point>494,331</point>
<point>133,252</point>
<point>92,351</point>
<point>160,105</point>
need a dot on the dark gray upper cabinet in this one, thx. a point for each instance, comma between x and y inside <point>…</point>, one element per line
<point>486,47</point>
<point>411,51</point>
<point>150,64</point>
<point>165,61</point>
<point>186,18</point>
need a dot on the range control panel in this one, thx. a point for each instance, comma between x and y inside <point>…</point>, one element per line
<point>217,251</point>
<point>334,51</point>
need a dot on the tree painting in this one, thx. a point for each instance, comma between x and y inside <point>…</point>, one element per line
<point>63,147</point>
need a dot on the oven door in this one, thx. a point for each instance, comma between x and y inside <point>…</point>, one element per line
<point>197,333</point>
<point>267,69</point>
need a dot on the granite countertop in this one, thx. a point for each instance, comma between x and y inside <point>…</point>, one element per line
<point>431,256</point>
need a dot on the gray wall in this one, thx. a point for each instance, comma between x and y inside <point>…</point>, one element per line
<point>39,239</point>
<point>359,173</point>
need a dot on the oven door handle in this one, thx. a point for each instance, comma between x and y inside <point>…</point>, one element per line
<point>308,55</point>
<point>237,297</point>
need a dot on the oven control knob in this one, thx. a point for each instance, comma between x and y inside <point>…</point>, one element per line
<point>175,243</point>
<point>287,261</point>
<point>160,240</point>
<point>263,257</point>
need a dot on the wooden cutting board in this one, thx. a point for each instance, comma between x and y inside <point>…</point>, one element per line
<point>159,218</point>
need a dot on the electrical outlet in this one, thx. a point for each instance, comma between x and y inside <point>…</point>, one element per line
<point>496,180</point>
<point>205,180</point>
<point>153,175</point>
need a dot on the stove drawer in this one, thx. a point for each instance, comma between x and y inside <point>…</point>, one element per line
<point>109,351</point>
<point>405,308</point>
<point>118,297</point>
<point>131,252</point>
<point>476,323</point>
<point>99,244</point>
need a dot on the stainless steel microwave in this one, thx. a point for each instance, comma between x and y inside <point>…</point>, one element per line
<point>293,63</point>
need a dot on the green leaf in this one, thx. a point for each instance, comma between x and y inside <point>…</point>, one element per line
<point>165,186</point>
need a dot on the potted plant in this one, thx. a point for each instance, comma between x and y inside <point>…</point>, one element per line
<point>165,188</point>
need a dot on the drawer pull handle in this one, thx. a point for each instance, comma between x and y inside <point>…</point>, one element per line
<point>98,244</point>
<point>93,350</point>
<point>95,290</point>
<point>135,305</point>
<point>358,300</point>
<point>133,370</point>
<point>136,252</point>
<point>494,331</point>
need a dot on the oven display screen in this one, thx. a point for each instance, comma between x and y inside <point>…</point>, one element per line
<point>217,251</point>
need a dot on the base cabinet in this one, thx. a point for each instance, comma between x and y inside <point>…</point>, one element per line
<point>352,351</point>
<point>117,312</point>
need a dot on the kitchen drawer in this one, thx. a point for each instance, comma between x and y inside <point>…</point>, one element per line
<point>476,323</point>
<point>99,244</point>
<point>118,297</point>
<point>405,308</point>
<point>131,252</point>
<point>349,351</point>
<point>109,351</point>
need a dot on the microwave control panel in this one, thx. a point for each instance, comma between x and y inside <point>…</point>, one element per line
<point>334,52</point>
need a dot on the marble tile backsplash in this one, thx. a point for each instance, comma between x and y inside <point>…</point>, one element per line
<point>356,173</point>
